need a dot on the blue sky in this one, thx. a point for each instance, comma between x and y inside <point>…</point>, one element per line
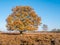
<point>48,10</point>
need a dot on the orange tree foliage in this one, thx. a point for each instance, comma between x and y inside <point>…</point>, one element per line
<point>23,18</point>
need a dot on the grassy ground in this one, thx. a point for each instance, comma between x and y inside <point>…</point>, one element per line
<point>29,39</point>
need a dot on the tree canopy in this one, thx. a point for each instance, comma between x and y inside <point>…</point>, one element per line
<point>23,18</point>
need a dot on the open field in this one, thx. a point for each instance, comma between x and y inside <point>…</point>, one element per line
<point>30,39</point>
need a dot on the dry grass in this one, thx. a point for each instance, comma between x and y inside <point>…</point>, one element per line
<point>29,39</point>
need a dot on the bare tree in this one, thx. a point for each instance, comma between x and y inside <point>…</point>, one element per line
<point>45,27</point>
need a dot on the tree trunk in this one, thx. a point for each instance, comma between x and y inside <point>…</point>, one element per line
<point>21,32</point>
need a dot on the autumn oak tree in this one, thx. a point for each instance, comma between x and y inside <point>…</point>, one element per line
<point>23,18</point>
